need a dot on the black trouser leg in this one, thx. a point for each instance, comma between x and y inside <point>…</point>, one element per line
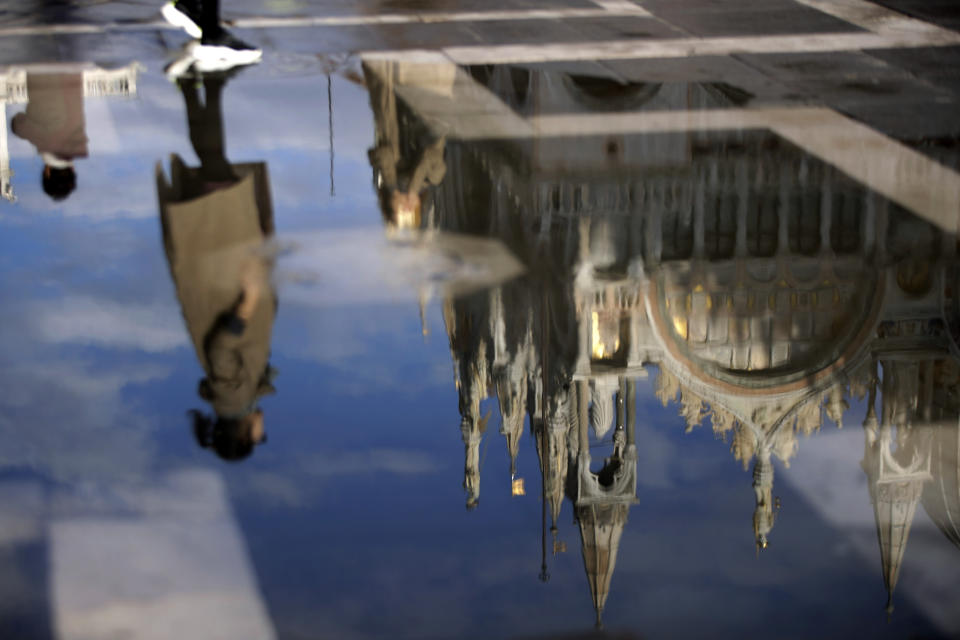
<point>210,18</point>
<point>206,129</point>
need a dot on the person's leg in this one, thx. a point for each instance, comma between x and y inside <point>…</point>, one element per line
<point>206,129</point>
<point>219,49</point>
<point>210,19</point>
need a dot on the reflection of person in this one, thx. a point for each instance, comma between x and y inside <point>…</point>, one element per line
<point>403,167</point>
<point>215,219</point>
<point>201,19</point>
<point>54,123</point>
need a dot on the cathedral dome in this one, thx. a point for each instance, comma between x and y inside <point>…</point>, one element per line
<point>767,324</point>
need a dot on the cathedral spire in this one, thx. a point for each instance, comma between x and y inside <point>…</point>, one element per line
<point>836,405</point>
<point>895,480</point>
<point>512,397</point>
<point>764,515</point>
<point>423,299</point>
<point>603,499</point>
<point>601,527</point>
<point>472,431</point>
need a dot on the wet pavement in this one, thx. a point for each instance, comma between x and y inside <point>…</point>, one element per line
<point>482,319</point>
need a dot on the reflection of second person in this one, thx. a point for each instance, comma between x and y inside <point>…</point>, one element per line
<point>406,158</point>
<point>216,218</point>
<point>54,123</point>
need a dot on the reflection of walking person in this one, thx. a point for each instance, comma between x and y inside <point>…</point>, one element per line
<point>405,161</point>
<point>217,49</point>
<point>215,219</point>
<point>54,123</point>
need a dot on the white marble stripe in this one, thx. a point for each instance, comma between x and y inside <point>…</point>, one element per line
<point>622,9</point>
<point>61,29</point>
<point>429,18</point>
<point>615,5</point>
<point>627,9</point>
<point>153,562</point>
<point>589,124</point>
<point>930,36</point>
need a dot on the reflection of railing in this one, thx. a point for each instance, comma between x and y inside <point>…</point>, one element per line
<point>13,86</point>
<point>115,82</point>
<point>97,83</point>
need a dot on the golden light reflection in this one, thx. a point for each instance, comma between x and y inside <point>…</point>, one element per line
<point>517,487</point>
<point>680,326</point>
<point>407,218</point>
<point>603,348</point>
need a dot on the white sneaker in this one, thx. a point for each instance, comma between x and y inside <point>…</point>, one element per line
<point>223,52</point>
<point>181,65</point>
<point>183,14</point>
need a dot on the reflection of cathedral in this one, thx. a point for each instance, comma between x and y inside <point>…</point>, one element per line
<point>767,287</point>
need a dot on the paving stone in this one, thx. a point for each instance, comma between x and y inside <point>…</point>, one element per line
<point>356,38</point>
<point>554,4</point>
<point>751,22</point>
<point>840,94</point>
<point>909,120</point>
<point>852,82</point>
<point>941,12</point>
<point>623,28</point>
<point>694,69</point>
<point>573,67</point>
<point>713,6</point>
<point>110,50</point>
<point>28,49</point>
<point>720,71</point>
<point>940,66</point>
<point>497,32</point>
<point>790,66</point>
<point>423,36</point>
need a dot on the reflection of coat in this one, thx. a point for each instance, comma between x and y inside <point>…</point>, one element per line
<point>53,121</point>
<point>209,239</point>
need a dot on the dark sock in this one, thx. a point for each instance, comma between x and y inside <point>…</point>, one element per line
<point>210,18</point>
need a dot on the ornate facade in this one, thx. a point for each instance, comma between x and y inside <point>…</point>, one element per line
<point>765,287</point>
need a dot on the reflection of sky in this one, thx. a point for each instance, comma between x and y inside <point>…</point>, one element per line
<point>353,512</point>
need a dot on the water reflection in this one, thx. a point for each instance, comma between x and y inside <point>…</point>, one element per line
<point>747,284</point>
<point>53,120</point>
<point>216,219</point>
<point>767,288</point>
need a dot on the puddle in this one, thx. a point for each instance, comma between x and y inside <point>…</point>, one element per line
<point>485,357</point>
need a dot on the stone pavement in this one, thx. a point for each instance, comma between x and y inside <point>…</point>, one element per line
<point>893,66</point>
<point>870,89</point>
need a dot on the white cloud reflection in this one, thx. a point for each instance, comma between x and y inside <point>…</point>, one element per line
<point>828,475</point>
<point>152,327</point>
